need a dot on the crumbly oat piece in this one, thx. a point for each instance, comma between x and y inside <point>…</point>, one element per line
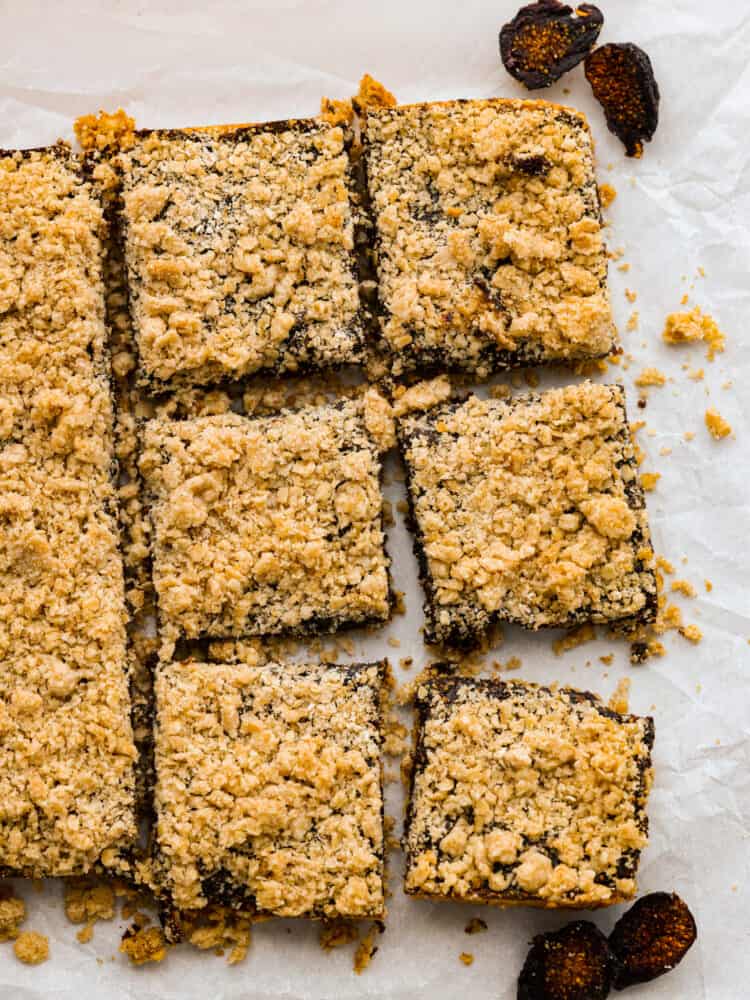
<point>31,948</point>
<point>267,525</point>
<point>718,427</point>
<point>239,249</point>
<point>649,480</point>
<point>12,915</point>
<point>684,328</point>
<point>105,132</point>
<point>651,376</point>
<point>528,511</point>
<point>607,195</point>
<point>523,794</point>
<point>422,396</point>
<point>372,95</point>
<point>144,945</point>
<point>573,639</point>
<point>488,235</point>
<point>366,950</point>
<point>66,746</point>
<point>269,788</point>
<point>218,928</point>
<point>466,958</point>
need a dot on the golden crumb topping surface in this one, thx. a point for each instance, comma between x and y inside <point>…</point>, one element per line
<point>528,510</point>
<point>525,794</point>
<point>267,525</point>
<point>268,789</point>
<point>66,747</point>
<point>489,236</point>
<point>239,250</point>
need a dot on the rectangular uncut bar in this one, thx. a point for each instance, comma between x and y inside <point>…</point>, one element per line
<point>267,525</point>
<point>528,511</point>
<point>66,745</point>
<point>525,795</point>
<point>488,236</point>
<point>239,252</point>
<point>269,788</point>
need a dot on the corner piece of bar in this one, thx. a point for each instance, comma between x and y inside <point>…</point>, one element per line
<point>525,795</point>
<point>269,794</point>
<point>239,245</point>
<point>488,236</point>
<point>528,511</point>
<point>67,800</point>
<point>269,525</point>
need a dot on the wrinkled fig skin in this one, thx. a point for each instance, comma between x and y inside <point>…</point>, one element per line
<point>546,39</point>
<point>623,82</point>
<point>651,938</point>
<point>574,963</point>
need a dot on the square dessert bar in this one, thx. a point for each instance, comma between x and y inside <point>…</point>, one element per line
<point>269,788</point>
<point>528,511</point>
<point>67,802</point>
<point>523,794</point>
<point>267,525</point>
<point>488,235</point>
<point>239,251</point>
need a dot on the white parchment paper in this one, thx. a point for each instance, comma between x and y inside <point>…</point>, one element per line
<point>685,205</point>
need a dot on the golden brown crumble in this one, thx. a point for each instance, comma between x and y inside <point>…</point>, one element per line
<point>88,903</point>
<point>239,248</point>
<point>684,587</point>
<point>144,945</point>
<point>31,948</point>
<point>421,396</point>
<point>105,132</point>
<point>217,928</point>
<point>523,794</point>
<point>708,585</point>
<point>683,328</point>
<point>366,950</point>
<point>335,112</point>
<point>66,746</point>
<point>607,194</point>
<point>466,958</point>
<point>618,701</point>
<point>490,250</point>
<point>267,525</point>
<point>718,427</point>
<point>574,638</point>
<point>528,511</point>
<point>692,633</point>
<point>651,376</point>
<point>649,480</point>
<point>372,95</point>
<point>269,787</point>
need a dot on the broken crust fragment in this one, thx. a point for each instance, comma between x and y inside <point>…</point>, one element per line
<point>688,327</point>
<point>718,427</point>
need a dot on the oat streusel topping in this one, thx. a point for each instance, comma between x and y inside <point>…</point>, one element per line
<point>267,525</point>
<point>529,511</point>
<point>488,233</point>
<point>268,790</point>
<point>66,746</point>
<point>523,794</point>
<point>239,248</point>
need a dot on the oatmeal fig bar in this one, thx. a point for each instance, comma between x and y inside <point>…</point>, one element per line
<point>239,251</point>
<point>269,787</point>
<point>66,744</point>
<point>527,511</point>
<point>528,795</point>
<point>488,236</point>
<point>267,525</point>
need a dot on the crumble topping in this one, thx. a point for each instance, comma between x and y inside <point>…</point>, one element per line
<point>143,945</point>
<point>66,746</point>
<point>528,511</point>
<point>239,249</point>
<point>105,132</point>
<point>718,427</point>
<point>651,376</point>
<point>525,794</point>
<point>31,948</point>
<point>12,915</point>
<point>488,234</point>
<point>269,787</point>
<point>422,396</point>
<point>267,525</point>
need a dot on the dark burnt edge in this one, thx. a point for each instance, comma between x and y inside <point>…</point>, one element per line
<point>318,625</point>
<point>218,887</point>
<point>461,634</point>
<point>287,363</point>
<point>442,690</point>
<point>425,361</point>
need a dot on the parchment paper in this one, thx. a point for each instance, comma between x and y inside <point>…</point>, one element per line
<point>685,205</point>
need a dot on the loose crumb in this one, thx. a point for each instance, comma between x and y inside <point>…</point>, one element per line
<point>684,299</point>
<point>475,926</point>
<point>405,662</point>
<point>717,425</point>
<point>86,904</point>
<point>689,435</point>
<point>630,295</point>
<point>708,585</point>
<point>607,659</point>
<point>651,376</point>
<point>105,131</point>
<point>576,637</point>
<point>664,564</point>
<point>623,267</point>
<point>366,950</point>
<point>607,194</point>
<point>466,957</point>
<point>684,328</point>
<point>665,450</point>
<point>633,321</point>
<point>692,633</point>
<point>219,928</point>
<point>12,915</point>
<point>649,480</point>
<point>618,701</point>
<point>31,948</point>
<point>393,642</point>
<point>696,374</point>
<point>372,94</point>
<point>684,587</point>
<point>142,946</point>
